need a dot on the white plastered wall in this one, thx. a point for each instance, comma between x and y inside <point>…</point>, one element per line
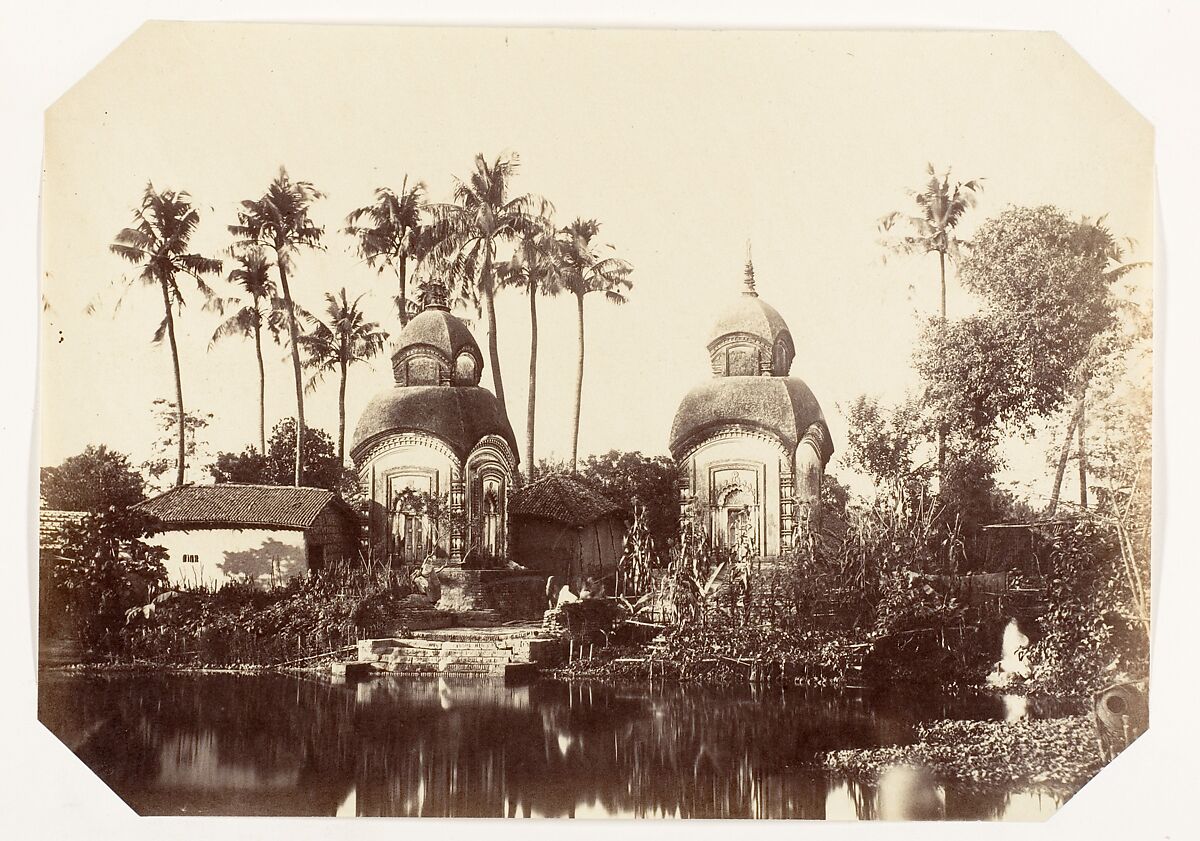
<point>211,546</point>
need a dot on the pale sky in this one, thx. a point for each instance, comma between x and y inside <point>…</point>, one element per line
<point>683,144</point>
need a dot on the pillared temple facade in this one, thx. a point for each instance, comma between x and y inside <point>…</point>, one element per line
<point>751,443</point>
<point>436,434</point>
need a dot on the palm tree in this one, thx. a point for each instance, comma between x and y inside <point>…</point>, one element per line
<point>279,221</point>
<point>346,338</point>
<point>261,309</point>
<point>940,208</point>
<point>586,271</point>
<point>158,242</point>
<point>393,234</point>
<point>482,215</point>
<point>537,267</point>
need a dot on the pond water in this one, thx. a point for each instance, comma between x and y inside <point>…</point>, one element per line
<point>274,744</point>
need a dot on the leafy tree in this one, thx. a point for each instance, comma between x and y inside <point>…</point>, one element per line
<point>335,345</point>
<point>389,233</point>
<point>194,423</point>
<point>280,221</point>
<point>249,467</point>
<point>262,309</point>
<point>158,243</point>
<point>95,480</point>
<point>587,270</point>
<point>623,476</point>
<point>537,267</point>
<point>324,469</point>
<point>105,568</point>
<point>1046,284</point>
<point>884,443</point>
<point>1096,626</point>
<point>482,215</point>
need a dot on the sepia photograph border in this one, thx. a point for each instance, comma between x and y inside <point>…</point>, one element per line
<point>1142,50</point>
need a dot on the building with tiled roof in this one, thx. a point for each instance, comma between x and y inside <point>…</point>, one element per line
<point>751,442</point>
<point>50,524</point>
<point>562,526</point>
<point>260,533</point>
<point>435,432</point>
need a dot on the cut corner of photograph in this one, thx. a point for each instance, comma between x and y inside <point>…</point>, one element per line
<point>808,478</point>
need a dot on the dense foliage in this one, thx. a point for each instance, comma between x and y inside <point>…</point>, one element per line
<point>622,477</point>
<point>322,469</point>
<point>102,568</point>
<point>246,625</point>
<point>95,480</point>
<point>1096,628</point>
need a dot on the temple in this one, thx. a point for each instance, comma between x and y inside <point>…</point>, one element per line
<point>751,443</point>
<point>435,452</point>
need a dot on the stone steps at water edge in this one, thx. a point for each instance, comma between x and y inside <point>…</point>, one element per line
<point>500,634</point>
<point>418,655</point>
<point>459,651</point>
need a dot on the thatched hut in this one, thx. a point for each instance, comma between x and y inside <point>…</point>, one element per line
<point>561,526</point>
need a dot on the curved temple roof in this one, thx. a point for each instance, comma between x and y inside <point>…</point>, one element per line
<point>441,330</point>
<point>783,406</point>
<point>750,314</point>
<point>461,416</point>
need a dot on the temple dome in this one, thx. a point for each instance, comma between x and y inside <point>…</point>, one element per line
<point>751,315</point>
<point>785,407</point>
<point>438,329</point>
<point>436,347</point>
<point>461,416</point>
<point>750,338</point>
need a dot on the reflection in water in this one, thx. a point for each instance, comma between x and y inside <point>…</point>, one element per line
<point>285,745</point>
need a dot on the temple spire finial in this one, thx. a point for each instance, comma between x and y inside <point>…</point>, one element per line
<point>749,279</point>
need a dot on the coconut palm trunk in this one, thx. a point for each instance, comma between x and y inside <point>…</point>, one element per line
<point>402,296</point>
<point>294,335</point>
<point>489,301</point>
<point>262,381</point>
<point>942,266</point>
<point>342,411</point>
<point>531,406</point>
<point>182,465</point>
<point>578,388</point>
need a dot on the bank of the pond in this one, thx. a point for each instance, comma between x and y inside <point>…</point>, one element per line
<point>1058,754</point>
<point>813,658</point>
<point>134,667</point>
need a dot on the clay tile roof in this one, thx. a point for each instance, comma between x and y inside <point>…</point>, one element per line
<point>562,498</point>
<point>247,506</point>
<point>50,523</point>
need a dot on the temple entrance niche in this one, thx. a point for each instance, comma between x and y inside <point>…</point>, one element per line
<point>737,502</point>
<point>410,538</point>
<point>487,492</point>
